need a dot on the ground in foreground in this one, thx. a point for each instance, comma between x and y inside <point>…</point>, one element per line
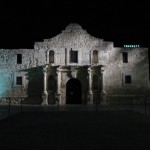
<point>120,130</point>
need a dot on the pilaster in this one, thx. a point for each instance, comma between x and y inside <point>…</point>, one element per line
<point>90,91</point>
<point>58,92</point>
<point>103,93</point>
<point>45,93</point>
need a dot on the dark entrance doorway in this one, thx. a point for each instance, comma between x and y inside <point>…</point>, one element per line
<point>73,92</point>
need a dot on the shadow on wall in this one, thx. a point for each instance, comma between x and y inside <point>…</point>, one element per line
<point>82,77</point>
<point>35,86</point>
<point>51,89</point>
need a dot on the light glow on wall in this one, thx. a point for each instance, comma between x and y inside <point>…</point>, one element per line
<point>2,84</point>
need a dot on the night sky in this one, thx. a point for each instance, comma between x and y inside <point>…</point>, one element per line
<point>23,23</point>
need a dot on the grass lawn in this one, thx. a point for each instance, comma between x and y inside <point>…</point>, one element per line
<point>118,130</point>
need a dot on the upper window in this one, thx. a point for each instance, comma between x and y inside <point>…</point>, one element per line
<point>19,58</point>
<point>18,80</point>
<point>51,57</point>
<point>73,56</point>
<point>128,79</point>
<point>95,56</point>
<point>125,57</point>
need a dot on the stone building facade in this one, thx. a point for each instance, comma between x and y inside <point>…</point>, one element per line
<point>72,68</point>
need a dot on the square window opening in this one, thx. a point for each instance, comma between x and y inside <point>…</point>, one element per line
<point>19,58</point>
<point>128,79</point>
<point>18,80</point>
<point>73,56</point>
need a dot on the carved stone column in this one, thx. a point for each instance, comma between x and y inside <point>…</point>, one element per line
<point>102,94</point>
<point>58,81</point>
<point>45,93</point>
<point>90,92</point>
<point>58,93</point>
<point>102,87</point>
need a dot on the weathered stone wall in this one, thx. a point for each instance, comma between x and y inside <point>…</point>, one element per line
<point>137,66</point>
<point>9,70</point>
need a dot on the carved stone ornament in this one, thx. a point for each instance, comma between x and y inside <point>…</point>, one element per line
<point>74,74</point>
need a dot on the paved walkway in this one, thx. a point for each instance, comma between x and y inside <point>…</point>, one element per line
<point>70,130</point>
<point>6,111</point>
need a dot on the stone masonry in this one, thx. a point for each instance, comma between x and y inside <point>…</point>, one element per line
<point>46,74</point>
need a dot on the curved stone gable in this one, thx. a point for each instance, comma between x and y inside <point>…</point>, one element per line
<point>73,26</point>
<point>72,37</point>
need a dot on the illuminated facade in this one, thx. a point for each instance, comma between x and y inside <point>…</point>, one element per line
<point>73,68</point>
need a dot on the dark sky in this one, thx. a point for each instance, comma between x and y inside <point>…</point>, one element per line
<point>23,23</point>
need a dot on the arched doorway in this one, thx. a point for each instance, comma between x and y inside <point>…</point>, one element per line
<point>73,92</point>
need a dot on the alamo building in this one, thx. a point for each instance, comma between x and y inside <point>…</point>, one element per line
<point>73,68</point>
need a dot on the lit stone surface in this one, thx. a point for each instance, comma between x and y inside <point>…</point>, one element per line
<point>73,38</point>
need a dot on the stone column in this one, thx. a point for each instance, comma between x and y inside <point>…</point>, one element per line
<point>58,93</point>
<point>58,81</point>
<point>102,87</point>
<point>102,94</point>
<point>90,92</point>
<point>45,93</point>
